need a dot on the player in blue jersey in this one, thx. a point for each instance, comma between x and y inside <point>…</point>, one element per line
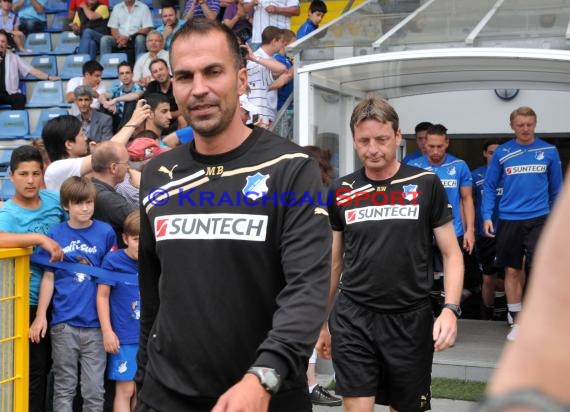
<point>485,245</point>
<point>421,133</point>
<point>118,306</point>
<point>456,179</point>
<point>532,178</point>
<point>75,330</point>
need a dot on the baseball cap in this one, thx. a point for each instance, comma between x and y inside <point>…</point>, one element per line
<point>143,148</point>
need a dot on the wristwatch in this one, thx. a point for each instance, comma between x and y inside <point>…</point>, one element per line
<point>268,377</point>
<point>456,309</point>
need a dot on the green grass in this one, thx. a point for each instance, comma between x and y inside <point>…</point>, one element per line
<point>457,389</point>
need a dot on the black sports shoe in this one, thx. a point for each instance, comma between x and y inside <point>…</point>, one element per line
<point>320,396</point>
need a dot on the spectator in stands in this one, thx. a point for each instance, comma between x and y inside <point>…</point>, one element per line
<point>66,145</point>
<point>317,10</point>
<point>33,18</point>
<point>73,5</point>
<point>532,178</point>
<point>75,330</point>
<point>162,83</point>
<point>275,13</point>
<point>97,126</point>
<point>110,165</point>
<point>207,9</point>
<point>10,22</point>
<point>284,83</point>
<point>12,68</point>
<point>121,101</point>
<point>90,24</point>
<point>130,22</point>
<point>24,222</point>
<point>237,18</point>
<point>160,118</point>
<point>485,245</point>
<point>154,45</point>
<point>262,70</point>
<point>118,307</point>
<point>92,72</point>
<point>421,135</point>
<point>170,24</point>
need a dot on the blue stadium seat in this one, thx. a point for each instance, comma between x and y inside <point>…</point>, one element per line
<point>147,2</point>
<point>72,66</point>
<point>67,43</point>
<point>38,43</point>
<point>113,3</point>
<point>47,94</point>
<point>6,189</point>
<point>45,63</point>
<point>14,124</point>
<point>45,115</point>
<point>57,24</point>
<point>110,61</point>
<point>56,6</point>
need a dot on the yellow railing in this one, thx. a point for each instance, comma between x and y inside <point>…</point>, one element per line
<point>14,325</point>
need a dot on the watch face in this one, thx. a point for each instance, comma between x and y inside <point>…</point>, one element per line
<point>270,378</point>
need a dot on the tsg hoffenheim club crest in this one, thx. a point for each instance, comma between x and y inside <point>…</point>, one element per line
<point>256,186</point>
<point>410,191</point>
<point>539,155</point>
<point>451,171</point>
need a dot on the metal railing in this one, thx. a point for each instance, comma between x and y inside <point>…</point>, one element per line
<point>284,121</point>
<point>14,325</point>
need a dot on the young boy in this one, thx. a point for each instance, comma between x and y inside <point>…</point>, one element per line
<point>317,11</point>
<point>24,221</point>
<point>75,330</point>
<point>118,305</point>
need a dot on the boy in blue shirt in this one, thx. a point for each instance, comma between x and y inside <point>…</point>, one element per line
<point>118,305</point>
<point>75,330</point>
<point>317,11</point>
<point>24,221</point>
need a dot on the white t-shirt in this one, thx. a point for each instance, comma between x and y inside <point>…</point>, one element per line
<point>60,170</point>
<point>262,19</point>
<point>78,81</point>
<point>259,79</point>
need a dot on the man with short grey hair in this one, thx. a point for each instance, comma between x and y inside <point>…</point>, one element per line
<point>96,125</point>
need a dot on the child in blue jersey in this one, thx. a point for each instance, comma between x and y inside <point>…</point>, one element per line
<point>317,11</point>
<point>75,331</point>
<point>118,305</point>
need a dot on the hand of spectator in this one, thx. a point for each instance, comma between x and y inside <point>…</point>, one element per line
<point>488,228</point>
<point>241,13</point>
<point>250,55</point>
<point>141,113</point>
<point>110,342</point>
<point>144,81</point>
<point>110,106</point>
<point>271,9</point>
<point>53,248</point>
<point>323,345</point>
<point>38,329</point>
<point>248,395</point>
<point>74,28</point>
<point>261,123</point>
<point>444,330</point>
<point>122,40</point>
<point>168,29</point>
